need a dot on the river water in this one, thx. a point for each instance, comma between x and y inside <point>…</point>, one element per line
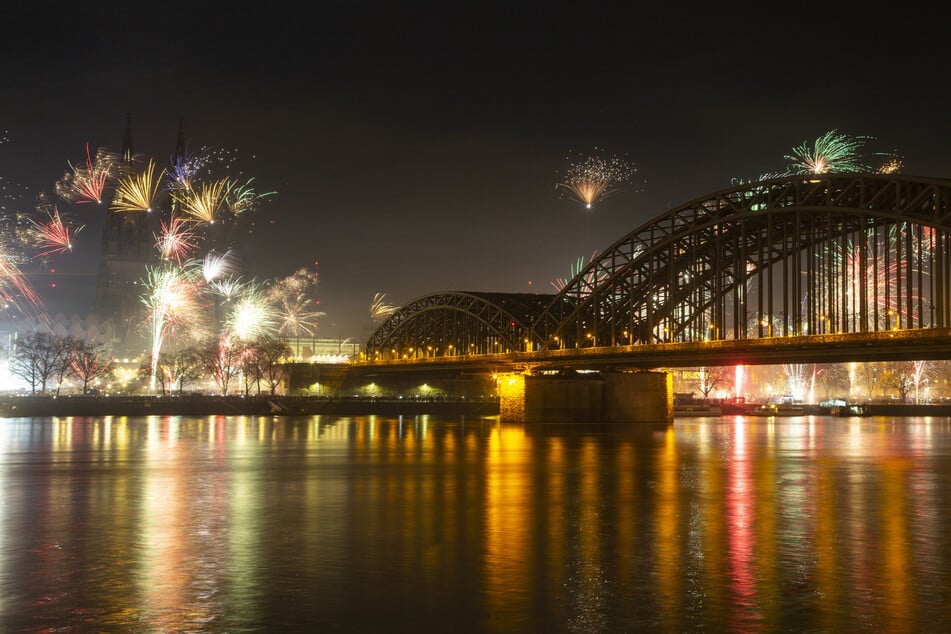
<point>370,524</point>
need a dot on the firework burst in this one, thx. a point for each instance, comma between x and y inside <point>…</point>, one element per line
<point>16,292</point>
<point>54,235</point>
<point>576,268</point>
<point>892,165</point>
<point>171,300</point>
<point>243,198</point>
<point>831,152</point>
<point>137,192</point>
<point>296,318</point>
<point>592,179</point>
<point>184,169</point>
<point>203,203</point>
<point>252,316</point>
<point>219,265</point>
<point>228,289</point>
<point>379,309</point>
<point>176,241</point>
<point>86,184</point>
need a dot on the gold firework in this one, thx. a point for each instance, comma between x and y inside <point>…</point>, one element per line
<point>202,204</point>
<point>137,192</point>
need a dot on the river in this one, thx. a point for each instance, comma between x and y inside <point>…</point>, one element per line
<point>374,524</point>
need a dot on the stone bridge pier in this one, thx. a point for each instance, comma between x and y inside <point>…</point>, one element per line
<point>604,397</point>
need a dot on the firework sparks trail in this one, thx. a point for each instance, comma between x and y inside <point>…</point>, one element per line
<point>296,319</point>
<point>884,297</point>
<point>14,287</point>
<point>86,184</point>
<point>892,165</point>
<point>176,241</point>
<point>293,299</point>
<point>243,198</point>
<point>218,265</point>
<point>574,270</point>
<point>252,316</point>
<point>831,152</point>
<point>171,299</point>
<point>379,309</point>
<point>54,235</point>
<point>203,203</point>
<point>184,169</point>
<point>592,179</point>
<point>137,192</point>
<point>228,289</point>
<point>293,287</point>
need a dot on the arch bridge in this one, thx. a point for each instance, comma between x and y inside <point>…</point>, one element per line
<point>838,265</point>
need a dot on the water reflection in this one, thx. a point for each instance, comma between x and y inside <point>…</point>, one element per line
<point>400,524</point>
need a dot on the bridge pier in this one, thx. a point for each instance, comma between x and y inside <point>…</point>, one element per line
<point>609,397</point>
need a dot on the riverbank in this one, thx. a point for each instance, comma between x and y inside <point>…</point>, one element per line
<point>32,406</point>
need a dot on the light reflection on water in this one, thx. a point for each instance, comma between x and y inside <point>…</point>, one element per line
<point>240,524</point>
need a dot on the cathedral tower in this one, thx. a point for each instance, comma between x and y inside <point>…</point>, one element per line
<point>128,248</point>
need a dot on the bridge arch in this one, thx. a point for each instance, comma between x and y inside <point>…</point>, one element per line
<point>453,323</point>
<point>795,255</point>
<point>780,257</point>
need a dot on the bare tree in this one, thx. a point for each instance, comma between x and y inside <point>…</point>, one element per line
<point>37,357</point>
<point>88,362</point>
<point>833,378</point>
<point>220,358</point>
<point>870,374</point>
<point>907,377</point>
<point>712,378</point>
<point>251,370</point>
<point>185,367</point>
<point>63,349</point>
<point>272,353</point>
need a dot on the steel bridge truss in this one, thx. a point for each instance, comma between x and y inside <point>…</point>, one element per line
<point>448,324</point>
<point>832,253</point>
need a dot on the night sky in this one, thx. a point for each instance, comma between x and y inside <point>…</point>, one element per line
<point>416,148</point>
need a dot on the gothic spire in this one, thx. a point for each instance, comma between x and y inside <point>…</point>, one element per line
<point>127,139</point>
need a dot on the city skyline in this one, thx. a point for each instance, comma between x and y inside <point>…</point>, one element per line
<point>418,151</point>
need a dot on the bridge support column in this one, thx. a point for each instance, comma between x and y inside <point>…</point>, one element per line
<point>638,397</point>
<point>620,397</point>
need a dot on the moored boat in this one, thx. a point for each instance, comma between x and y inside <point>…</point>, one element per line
<point>698,409</point>
<point>685,405</point>
<point>852,409</point>
<point>776,409</point>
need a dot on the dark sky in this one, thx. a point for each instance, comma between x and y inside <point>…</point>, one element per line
<point>415,148</point>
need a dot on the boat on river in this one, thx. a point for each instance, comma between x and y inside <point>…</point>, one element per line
<point>685,406</point>
<point>696,409</point>
<point>776,409</point>
<point>849,409</point>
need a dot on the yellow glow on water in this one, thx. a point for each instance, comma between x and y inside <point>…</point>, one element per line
<point>900,593</point>
<point>750,525</point>
<point>715,531</point>
<point>668,529</point>
<point>828,555</point>
<point>508,554</point>
<point>62,433</point>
